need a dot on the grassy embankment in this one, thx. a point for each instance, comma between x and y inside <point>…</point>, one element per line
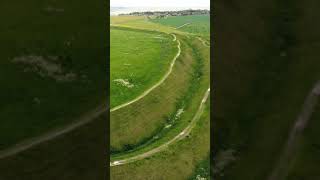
<point>191,49</point>
<point>188,101</point>
<point>179,161</point>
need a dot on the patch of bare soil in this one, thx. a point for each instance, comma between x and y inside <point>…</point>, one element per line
<point>45,67</point>
<point>52,9</point>
<point>124,82</point>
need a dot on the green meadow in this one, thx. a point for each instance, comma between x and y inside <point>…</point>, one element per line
<point>168,109</point>
<point>138,60</point>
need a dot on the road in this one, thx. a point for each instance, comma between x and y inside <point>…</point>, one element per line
<point>162,147</point>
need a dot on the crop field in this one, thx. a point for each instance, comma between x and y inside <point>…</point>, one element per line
<point>53,70</point>
<point>175,112</point>
<point>196,24</point>
<point>138,60</point>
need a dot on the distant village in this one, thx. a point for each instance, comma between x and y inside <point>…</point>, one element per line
<point>165,14</point>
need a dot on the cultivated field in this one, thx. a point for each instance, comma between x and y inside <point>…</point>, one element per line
<point>196,24</point>
<point>169,115</point>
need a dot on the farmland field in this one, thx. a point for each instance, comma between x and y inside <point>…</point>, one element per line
<point>176,112</point>
<point>196,24</point>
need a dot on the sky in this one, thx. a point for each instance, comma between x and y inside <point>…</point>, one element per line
<point>160,3</point>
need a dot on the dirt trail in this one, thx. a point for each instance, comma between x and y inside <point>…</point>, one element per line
<point>162,147</point>
<point>281,168</point>
<point>182,25</point>
<point>29,143</point>
<point>205,43</point>
<point>155,85</point>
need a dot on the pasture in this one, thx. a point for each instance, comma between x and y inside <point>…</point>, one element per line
<point>182,90</point>
<point>164,113</point>
<point>138,59</point>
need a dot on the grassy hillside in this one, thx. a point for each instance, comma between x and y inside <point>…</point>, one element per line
<point>128,131</point>
<point>163,114</point>
<point>138,59</point>
<point>179,162</point>
<point>53,65</point>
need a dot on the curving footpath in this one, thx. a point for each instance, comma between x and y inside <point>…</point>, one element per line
<point>308,107</point>
<point>164,146</point>
<point>27,144</point>
<point>155,85</point>
<point>205,43</point>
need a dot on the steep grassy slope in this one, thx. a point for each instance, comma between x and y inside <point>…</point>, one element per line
<point>179,161</point>
<point>163,114</point>
<point>182,91</point>
<point>154,110</point>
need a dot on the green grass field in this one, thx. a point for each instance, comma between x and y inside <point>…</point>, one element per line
<point>52,69</point>
<point>180,161</point>
<point>154,120</point>
<point>131,120</point>
<point>138,60</point>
